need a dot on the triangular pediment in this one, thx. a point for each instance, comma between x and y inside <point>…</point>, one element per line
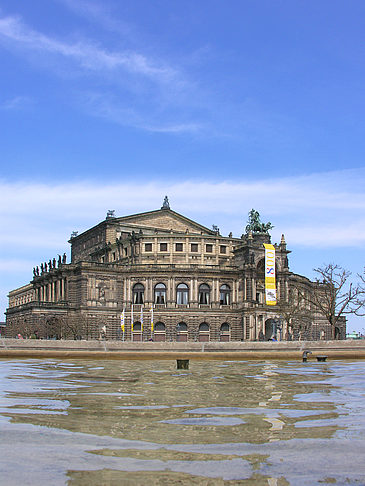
<point>165,220</point>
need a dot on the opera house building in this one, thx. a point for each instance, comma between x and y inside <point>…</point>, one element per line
<point>160,276</point>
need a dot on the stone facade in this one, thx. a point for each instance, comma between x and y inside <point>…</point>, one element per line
<point>192,282</point>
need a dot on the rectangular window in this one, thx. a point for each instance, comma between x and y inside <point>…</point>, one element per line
<point>223,249</point>
<point>148,247</point>
<point>194,247</point>
<point>126,251</point>
<point>178,246</point>
<point>163,246</point>
<point>209,248</point>
<point>114,256</point>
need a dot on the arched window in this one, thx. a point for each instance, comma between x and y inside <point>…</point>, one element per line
<point>261,266</point>
<point>182,327</point>
<point>160,327</point>
<point>224,332</point>
<point>182,332</point>
<point>138,293</point>
<point>204,294</point>
<point>182,294</point>
<point>225,327</point>
<point>225,295</point>
<point>204,327</point>
<point>137,332</point>
<point>160,332</point>
<point>160,293</point>
<point>137,327</point>
<point>204,332</point>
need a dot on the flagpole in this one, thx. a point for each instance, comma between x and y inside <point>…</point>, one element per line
<point>122,322</point>
<point>142,320</point>
<point>132,321</point>
<point>152,323</point>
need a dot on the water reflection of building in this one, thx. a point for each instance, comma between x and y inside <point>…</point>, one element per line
<point>192,282</point>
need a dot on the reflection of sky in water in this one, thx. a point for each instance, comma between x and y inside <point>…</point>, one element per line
<point>217,421</point>
<point>231,420</point>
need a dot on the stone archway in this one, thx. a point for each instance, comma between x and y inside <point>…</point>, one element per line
<point>270,329</point>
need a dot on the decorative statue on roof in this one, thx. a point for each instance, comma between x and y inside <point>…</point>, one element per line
<point>255,225</point>
<point>166,204</point>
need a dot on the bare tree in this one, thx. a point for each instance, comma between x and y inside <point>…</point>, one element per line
<point>361,310</point>
<point>295,313</point>
<point>334,296</point>
<point>77,326</point>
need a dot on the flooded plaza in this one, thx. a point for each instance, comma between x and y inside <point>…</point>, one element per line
<point>146,423</point>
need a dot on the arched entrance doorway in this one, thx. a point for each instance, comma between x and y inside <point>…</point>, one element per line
<point>270,329</point>
<point>160,332</point>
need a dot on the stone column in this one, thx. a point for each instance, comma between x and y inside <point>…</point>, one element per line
<point>217,285</point>
<point>249,288</point>
<point>148,294</point>
<point>173,290</point>
<point>170,249</point>
<point>124,296</point>
<point>169,291</point>
<point>194,293</point>
<point>129,290</point>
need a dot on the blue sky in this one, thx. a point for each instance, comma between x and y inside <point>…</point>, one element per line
<point>224,106</point>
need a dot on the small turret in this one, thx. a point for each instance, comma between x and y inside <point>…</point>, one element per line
<point>283,242</point>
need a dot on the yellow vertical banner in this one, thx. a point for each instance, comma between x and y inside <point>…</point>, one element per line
<point>132,318</point>
<point>270,279</point>
<point>122,319</point>
<point>152,324</point>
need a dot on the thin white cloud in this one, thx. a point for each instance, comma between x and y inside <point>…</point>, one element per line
<point>149,94</point>
<point>103,106</point>
<point>86,53</point>
<point>16,103</point>
<point>102,14</point>
<point>317,210</point>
